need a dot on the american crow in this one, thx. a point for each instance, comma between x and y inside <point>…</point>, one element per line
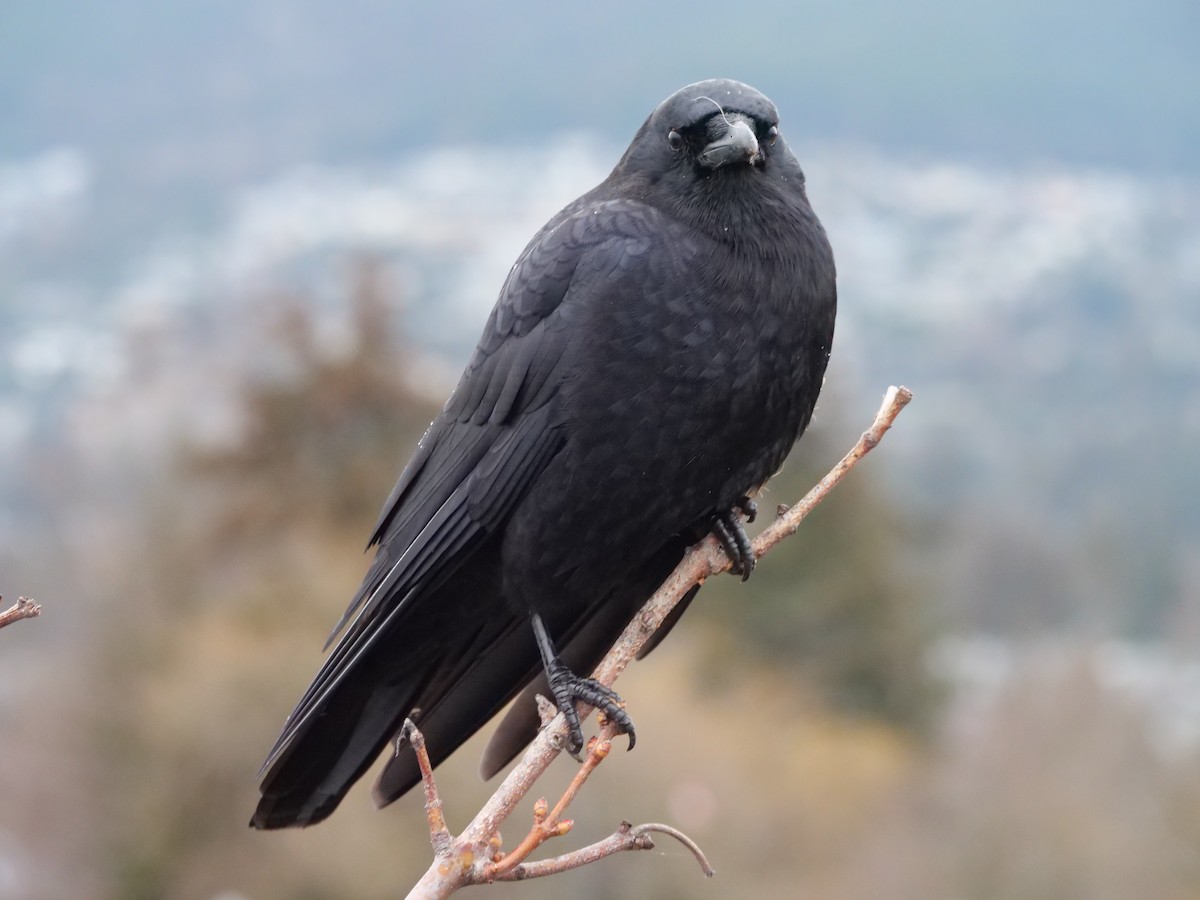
<point>655,352</point>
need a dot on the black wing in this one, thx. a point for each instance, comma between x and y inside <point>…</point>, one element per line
<point>496,434</point>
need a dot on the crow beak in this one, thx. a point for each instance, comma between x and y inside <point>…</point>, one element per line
<point>738,144</point>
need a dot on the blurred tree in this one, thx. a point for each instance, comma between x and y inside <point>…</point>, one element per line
<point>242,547</point>
<point>326,441</point>
<point>836,605</point>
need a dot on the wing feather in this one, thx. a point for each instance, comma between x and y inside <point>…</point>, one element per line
<point>493,439</point>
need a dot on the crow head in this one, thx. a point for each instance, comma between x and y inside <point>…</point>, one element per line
<point>713,145</point>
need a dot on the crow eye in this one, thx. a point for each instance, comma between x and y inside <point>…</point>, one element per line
<point>772,133</point>
<point>675,139</point>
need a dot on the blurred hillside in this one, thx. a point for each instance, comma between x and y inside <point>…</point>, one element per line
<point>244,251</point>
<point>1011,192</point>
<point>1048,320</point>
<point>201,94</point>
<point>796,726</point>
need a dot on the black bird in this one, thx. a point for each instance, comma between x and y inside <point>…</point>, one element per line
<point>654,354</point>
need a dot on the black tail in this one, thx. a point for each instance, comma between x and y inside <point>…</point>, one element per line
<point>448,669</point>
<point>480,684</point>
<point>451,696</point>
<point>307,782</point>
<point>450,663</point>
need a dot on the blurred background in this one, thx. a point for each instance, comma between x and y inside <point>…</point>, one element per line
<point>245,248</point>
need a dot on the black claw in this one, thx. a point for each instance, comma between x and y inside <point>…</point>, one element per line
<point>605,699</point>
<point>569,689</point>
<point>721,530</point>
<point>748,507</point>
<point>560,686</point>
<point>729,531</point>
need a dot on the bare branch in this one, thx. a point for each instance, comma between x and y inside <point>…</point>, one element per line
<point>472,858</point>
<point>670,831</point>
<point>789,520</point>
<point>626,837</point>
<point>439,834</point>
<point>24,608</point>
<point>550,823</point>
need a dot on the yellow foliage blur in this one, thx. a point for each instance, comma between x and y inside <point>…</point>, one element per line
<point>790,725</point>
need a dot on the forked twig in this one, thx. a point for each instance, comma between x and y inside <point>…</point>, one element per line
<point>549,823</point>
<point>626,837</point>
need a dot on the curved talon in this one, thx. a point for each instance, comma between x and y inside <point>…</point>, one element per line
<point>568,689</point>
<point>721,530</point>
<point>729,531</point>
<point>605,699</point>
<point>748,507</point>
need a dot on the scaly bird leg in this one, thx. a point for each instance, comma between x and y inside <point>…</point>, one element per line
<point>727,526</point>
<point>568,689</point>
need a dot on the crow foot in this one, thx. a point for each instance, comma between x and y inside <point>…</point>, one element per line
<point>729,531</point>
<point>569,689</point>
<point>748,507</point>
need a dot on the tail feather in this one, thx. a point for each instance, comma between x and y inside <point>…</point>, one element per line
<point>464,705</point>
<point>452,684</point>
<point>312,776</point>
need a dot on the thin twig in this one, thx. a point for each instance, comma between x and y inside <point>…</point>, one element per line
<point>439,835</point>
<point>24,608</point>
<point>894,400</point>
<point>470,858</point>
<point>626,837</point>
<point>550,823</point>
